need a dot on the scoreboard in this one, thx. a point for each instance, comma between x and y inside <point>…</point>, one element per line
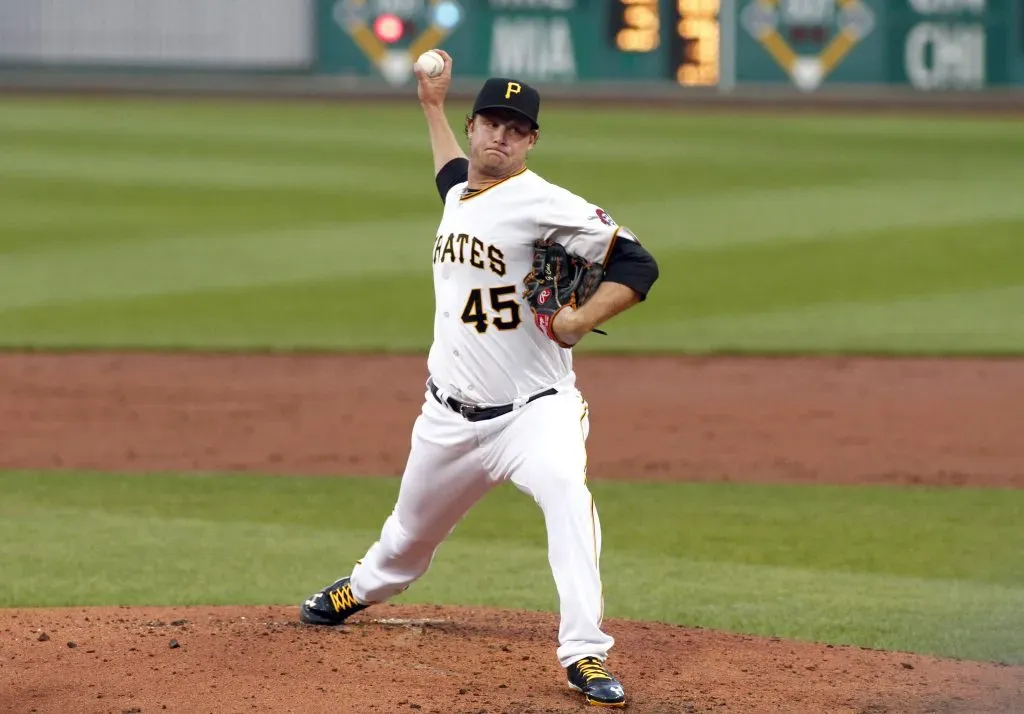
<point>693,49</point>
<point>730,45</point>
<point>634,25</point>
<point>697,38</point>
<point>573,41</point>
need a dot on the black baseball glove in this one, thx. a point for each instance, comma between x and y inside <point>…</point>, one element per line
<point>558,279</point>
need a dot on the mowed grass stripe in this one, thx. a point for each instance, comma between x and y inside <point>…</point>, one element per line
<point>328,313</point>
<point>735,218</point>
<point>57,214</point>
<point>169,117</point>
<point>824,213</point>
<point>764,217</point>
<point>183,561</point>
<point>360,143</point>
<point>334,122</point>
<point>928,570</point>
<point>979,319</point>
<point>775,147</point>
<point>949,618</point>
<point>982,321</point>
<point>129,132</point>
<point>201,172</point>
<point>920,532</point>
<point>876,266</point>
<point>163,204</point>
<point>193,263</point>
<point>281,315</point>
<point>947,290</point>
<point>792,154</point>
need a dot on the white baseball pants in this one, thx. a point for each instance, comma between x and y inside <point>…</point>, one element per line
<point>453,463</point>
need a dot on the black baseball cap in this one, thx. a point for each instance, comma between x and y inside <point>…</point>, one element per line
<point>506,93</point>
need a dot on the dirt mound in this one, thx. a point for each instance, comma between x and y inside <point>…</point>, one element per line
<point>447,660</point>
<point>834,420</point>
<point>950,422</point>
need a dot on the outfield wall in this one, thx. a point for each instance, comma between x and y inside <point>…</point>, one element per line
<point>919,52</point>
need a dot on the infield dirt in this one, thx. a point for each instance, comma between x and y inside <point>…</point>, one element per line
<point>851,421</point>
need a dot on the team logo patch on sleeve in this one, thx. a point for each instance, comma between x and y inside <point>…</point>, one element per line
<point>605,218</point>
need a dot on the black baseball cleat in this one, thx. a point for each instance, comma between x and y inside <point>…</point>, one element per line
<point>331,606</point>
<point>589,676</point>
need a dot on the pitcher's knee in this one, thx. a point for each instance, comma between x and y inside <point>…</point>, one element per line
<point>562,486</point>
<point>398,544</point>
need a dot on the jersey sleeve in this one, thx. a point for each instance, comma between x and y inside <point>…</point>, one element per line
<point>582,227</point>
<point>630,264</point>
<point>451,174</point>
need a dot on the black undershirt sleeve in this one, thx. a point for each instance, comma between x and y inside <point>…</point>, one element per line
<point>631,265</point>
<point>454,172</point>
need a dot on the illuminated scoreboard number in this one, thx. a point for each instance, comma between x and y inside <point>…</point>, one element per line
<point>695,42</point>
<point>635,25</point>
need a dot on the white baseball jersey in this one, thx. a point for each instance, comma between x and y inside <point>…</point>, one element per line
<point>487,348</point>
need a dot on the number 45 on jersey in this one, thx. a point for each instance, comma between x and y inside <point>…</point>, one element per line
<point>502,306</point>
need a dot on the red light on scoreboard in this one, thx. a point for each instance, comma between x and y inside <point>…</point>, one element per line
<point>388,28</point>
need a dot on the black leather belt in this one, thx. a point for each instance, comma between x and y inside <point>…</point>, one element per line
<point>472,412</point>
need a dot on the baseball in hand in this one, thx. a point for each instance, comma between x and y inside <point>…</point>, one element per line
<point>431,63</point>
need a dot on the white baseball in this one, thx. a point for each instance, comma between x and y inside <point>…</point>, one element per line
<point>431,63</point>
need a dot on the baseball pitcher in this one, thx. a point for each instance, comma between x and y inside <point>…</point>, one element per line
<point>523,270</point>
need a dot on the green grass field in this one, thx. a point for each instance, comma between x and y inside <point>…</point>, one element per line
<point>935,571</point>
<point>178,225</point>
<point>248,225</point>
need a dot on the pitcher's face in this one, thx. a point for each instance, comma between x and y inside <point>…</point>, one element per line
<point>499,141</point>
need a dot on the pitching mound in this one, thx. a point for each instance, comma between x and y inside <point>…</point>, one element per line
<point>447,660</point>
